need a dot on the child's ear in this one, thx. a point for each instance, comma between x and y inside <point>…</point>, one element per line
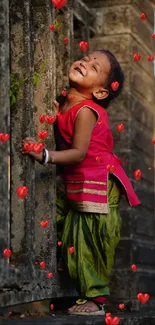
<point>101,94</point>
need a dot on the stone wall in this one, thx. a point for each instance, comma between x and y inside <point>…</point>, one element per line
<point>38,65</point>
<point>4,127</point>
<point>120,29</point>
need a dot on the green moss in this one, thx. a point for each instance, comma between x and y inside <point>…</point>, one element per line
<point>16,83</point>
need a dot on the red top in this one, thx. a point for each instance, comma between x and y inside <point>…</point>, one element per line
<point>87,182</point>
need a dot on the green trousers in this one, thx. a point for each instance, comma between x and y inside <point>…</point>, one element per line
<point>94,238</point>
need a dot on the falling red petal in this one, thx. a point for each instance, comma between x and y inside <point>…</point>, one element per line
<point>150,58</point>
<point>143,16</point>
<point>111,168</point>
<point>143,297</point>
<point>44,224</point>
<point>42,265</point>
<point>134,267</point>
<point>136,57</point>
<point>120,127</point>
<point>65,40</point>
<point>7,252</point>
<point>83,46</point>
<point>115,85</point>
<point>59,3</point>
<point>52,27</point>
<point>4,137</point>
<point>50,275</point>
<point>137,174</point>
<point>51,306</point>
<point>121,306</point>
<point>42,134</point>
<point>71,250</point>
<point>22,191</point>
<point>59,243</point>
<point>64,92</point>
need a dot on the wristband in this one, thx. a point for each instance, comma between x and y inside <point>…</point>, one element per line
<point>44,157</point>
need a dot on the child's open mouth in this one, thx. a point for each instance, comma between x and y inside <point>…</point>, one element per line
<point>79,70</point>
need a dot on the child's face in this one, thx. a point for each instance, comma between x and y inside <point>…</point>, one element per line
<point>90,73</point>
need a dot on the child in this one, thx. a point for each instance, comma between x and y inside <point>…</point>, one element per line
<point>88,216</point>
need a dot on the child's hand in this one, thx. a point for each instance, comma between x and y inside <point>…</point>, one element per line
<point>35,156</point>
<point>57,107</point>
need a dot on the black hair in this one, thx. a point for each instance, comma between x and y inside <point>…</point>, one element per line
<point>115,74</point>
<point>60,98</point>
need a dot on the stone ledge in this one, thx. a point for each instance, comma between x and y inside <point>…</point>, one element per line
<point>132,319</point>
<point>84,15</point>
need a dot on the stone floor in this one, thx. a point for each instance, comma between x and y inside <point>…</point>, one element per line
<point>81,320</point>
<point>38,313</point>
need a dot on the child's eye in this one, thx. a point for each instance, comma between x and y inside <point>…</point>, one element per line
<point>84,59</point>
<point>94,68</point>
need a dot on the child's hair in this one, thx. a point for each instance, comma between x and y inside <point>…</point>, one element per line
<point>115,74</point>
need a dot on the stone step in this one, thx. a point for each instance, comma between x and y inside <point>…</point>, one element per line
<point>130,319</point>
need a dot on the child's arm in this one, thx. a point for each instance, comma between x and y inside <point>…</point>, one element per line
<point>84,125</point>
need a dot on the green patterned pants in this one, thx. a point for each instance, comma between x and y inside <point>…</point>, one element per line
<point>94,238</point>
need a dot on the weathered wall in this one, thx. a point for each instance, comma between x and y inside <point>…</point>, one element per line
<point>4,128</point>
<point>32,46</point>
<point>120,30</point>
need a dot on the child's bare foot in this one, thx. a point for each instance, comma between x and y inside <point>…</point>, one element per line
<point>88,307</point>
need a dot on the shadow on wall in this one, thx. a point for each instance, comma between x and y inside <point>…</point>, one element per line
<point>9,173</point>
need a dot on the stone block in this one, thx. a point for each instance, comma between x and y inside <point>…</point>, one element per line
<point>114,21</point>
<point>21,124</point>
<point>143,253</point>
<point>123,251</point>
<point>63,65</point>
<point>146,197</point>
<point>117,44</point>
<point>143,223</point>
<point>141,30</point>
<point>140,159</point>
<point>146,283</point>
<point>126,19</point>
<point>135,149</point>
<point>130,8</point>
<point>138,222</point>
<point>120,284</point>
<point>108,3</point>
<point>140,80</point>
<point>145,51</point>
<point>147,7</point>
<point>129,107</point>
<point>139,5</point>
<point>83,14</point>
<point>141,112</point>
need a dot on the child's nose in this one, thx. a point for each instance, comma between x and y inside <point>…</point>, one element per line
<point>82,65</point>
